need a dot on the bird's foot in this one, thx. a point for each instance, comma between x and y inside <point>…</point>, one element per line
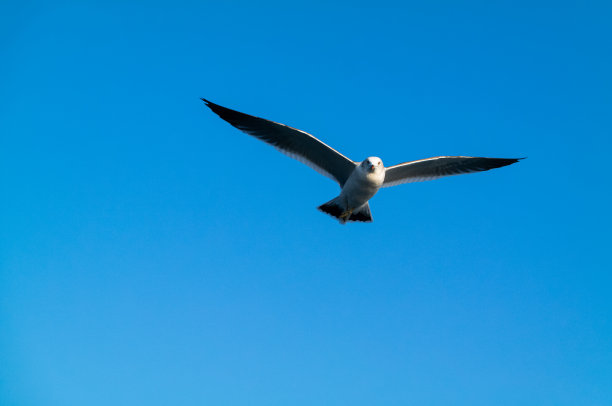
<point>346,214</point>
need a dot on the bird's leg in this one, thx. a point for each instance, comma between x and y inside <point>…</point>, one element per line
<point>347,213</point>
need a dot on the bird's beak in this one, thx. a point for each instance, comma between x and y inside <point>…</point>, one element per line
<point>372,168</point>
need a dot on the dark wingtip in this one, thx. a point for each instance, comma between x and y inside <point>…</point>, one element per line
<point>209,104</point>
<point>214,107</point>
<point>510,161</point>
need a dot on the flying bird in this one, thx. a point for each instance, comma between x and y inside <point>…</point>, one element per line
<point>359,180</point>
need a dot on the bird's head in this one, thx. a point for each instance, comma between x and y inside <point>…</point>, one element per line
<point>372,164</point>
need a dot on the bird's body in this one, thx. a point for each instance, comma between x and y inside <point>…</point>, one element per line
<point>363,183</point>
<point>359,181</point>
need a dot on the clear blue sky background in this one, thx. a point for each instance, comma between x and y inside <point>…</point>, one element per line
<point>151,254</point>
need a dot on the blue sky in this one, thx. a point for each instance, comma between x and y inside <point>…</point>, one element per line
<point>152,254</point>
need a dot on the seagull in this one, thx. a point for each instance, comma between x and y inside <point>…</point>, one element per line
<point>359,181</point>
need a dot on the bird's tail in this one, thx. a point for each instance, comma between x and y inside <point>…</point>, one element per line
<point>337,208</point>
<point>363,214</point>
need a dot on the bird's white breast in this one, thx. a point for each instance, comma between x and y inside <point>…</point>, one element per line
<point>362,185</point>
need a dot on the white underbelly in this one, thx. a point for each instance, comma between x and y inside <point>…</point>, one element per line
<point>360,188</point>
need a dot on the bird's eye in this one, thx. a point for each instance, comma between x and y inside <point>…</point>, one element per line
<point>379,163</point>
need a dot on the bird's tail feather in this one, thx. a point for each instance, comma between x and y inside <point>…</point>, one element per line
<point>337,208</point>
<point>363,214</point>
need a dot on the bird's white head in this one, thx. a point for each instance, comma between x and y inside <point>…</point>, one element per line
<point>372,164</point>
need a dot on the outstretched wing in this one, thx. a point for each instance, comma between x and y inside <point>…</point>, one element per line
<point>437,167</point>
<point>290,141</point>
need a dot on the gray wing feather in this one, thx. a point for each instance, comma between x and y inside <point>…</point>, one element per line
<point>295,143</point>
<point>440,166</point>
